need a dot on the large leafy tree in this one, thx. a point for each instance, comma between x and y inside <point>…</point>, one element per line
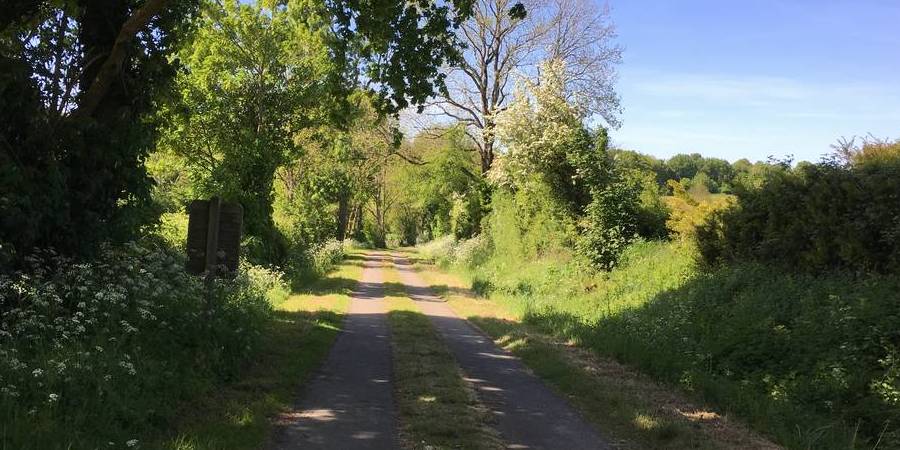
<point>253,77</point>
<point>76,79</point>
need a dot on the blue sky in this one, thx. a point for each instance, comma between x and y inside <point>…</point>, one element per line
<point>754,78</point>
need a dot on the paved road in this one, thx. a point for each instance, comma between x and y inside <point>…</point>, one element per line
<point>349,403</point>
<point>529,415</point>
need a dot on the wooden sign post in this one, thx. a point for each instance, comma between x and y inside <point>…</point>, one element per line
<point>214,236</point>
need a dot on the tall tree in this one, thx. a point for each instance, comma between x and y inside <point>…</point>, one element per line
<point>77,80</point>
<point>258,75</point>
<point>506,39</point>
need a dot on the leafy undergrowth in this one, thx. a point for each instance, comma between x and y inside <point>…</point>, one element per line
<point>239,415</point>
<point>438,409</point>
<point>100,353</point>
<point>632,410</point>
<point>811,360</point>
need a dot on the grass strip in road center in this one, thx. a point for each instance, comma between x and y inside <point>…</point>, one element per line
<point>437,408</point>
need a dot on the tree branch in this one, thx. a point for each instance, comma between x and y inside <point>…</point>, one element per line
<point>113,64</point>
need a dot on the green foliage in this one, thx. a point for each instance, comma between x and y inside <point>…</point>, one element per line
<point>439,250</point>
<point>688,211</point>
<point>230,140</point>
<point>465,214</point>
<point>646,175</point>
<point>608,225</point>
<point>441,195</point>
<point>549,145</point>
<point>173,229</point>
<point>447,251</point>
<point>106,350</point>
<point>814,217</point>
<point>72,182</point>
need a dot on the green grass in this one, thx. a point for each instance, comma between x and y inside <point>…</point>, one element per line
<point>437,408</point>
<point>238,415</point>
<point>811,361</point>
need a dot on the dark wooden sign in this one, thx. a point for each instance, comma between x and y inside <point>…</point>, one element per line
<point>214,236</point>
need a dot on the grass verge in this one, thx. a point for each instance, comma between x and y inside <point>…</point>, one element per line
<point>437,408</point>
<point>632,410</point>
<point>238,416</point>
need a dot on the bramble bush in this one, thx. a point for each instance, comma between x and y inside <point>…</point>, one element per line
<point>105,351</point>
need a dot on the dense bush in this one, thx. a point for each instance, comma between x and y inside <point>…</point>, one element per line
<point>447,251</point>
<point>102,351</point>
<point>317,259</point>
<point>814,217</point>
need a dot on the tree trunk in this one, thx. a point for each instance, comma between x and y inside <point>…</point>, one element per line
<point>343,217</point>
<point>487,155</point>
<point>107,32</point>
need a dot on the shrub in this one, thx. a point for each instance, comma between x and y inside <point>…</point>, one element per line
<point>439,250</point>
<point>609,225</point>
<point>269,281</point>
<point>688,212</point>
<point>815,216</point>
<point>102,351</point>
<point>326,255</point>
<point>317,260</point>
<point>472,252</point>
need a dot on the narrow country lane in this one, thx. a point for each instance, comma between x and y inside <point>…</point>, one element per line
<point>349,402</point>
<point>528,414</point>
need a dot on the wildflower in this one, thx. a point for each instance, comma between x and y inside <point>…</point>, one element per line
<point>53,397</point>
<point>129,367</point>
<point>37,372</point>
<point>131,442</point>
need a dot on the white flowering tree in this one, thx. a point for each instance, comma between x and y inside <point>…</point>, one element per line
<point>539,127</point>
<point>545,140</point>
